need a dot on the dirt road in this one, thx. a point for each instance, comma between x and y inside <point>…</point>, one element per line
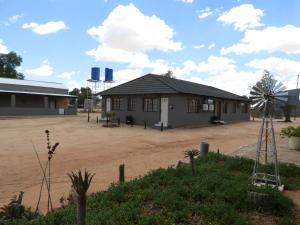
<point>100,150</point>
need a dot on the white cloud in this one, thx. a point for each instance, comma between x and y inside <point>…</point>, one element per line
<point>242,17</point>
<point>138,33</point>
<point>285,70</point>
<point>46,28</point>
<point>216,64</point>
<point>3,48</point>
<point>44,70</point>
<point>185,1</point>
<point>66,75</point>
<point>212,45</point>
<point>203,13</point>
<point>14,19</point>
<point>270,39</point>
<point>74,84</point>
<point>199,46</point>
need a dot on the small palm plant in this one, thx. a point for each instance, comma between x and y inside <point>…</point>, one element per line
<point>81,184</point>
<point>191,154</point>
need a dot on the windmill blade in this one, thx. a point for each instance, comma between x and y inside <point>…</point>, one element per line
<point>258,88</point>
<point>255,95</point>
<point>279,87</point>
<point>260,104</point>
<point>255,101</point>
<point>282,94</point>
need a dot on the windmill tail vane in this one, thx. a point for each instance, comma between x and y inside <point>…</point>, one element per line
<point>266,95</point>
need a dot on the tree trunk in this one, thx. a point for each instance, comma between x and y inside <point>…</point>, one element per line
<point>192,164</point>
<point>81,209</point>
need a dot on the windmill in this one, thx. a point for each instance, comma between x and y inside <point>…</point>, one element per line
<point>266,94</point>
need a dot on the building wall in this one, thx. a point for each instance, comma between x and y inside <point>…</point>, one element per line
<point>6,111</point>
<point>178,114</point>
<point>294,100</point>
<point>30,105</point>
<point>5,100</point>
<point>139,116</point>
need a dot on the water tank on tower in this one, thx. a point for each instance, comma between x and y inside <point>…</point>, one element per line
<point>108,75</point>
<point>95,73</point>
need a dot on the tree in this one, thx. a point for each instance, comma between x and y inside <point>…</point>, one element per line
<point>191,154</point>
<point>82,93</point>
<point>169,74</point>
<point>81,183</point>
<point>287,109</point>
<point>8,64</point>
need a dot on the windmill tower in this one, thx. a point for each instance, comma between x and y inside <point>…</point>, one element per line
<point>265,95</point>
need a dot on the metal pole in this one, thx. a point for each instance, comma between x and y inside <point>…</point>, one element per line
<point>297,96</point>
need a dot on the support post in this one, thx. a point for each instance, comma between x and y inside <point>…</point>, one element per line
<point>88,115</point>
<point>204,149</point>
<point>145,125</point>
<point>162,127</point>
<point>122,173</point>
<point>13,101</point>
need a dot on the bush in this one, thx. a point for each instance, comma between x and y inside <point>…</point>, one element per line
<point>290,131</point>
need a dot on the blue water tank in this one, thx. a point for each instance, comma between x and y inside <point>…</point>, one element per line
<point>95,73</point>
<point>108,75</point>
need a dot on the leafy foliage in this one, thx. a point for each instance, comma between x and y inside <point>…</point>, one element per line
<point>290,131</point>
<point>191,154</point>
<point>8,64</point>
<point>81,183</point>
<point>16,210</point>
<point>216,194</point>
<point>82,93</point>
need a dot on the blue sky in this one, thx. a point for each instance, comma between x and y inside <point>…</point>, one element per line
<point>225,44</point>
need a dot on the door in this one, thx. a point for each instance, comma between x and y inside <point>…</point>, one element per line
<point>108,104</point>
<point>164,113</point>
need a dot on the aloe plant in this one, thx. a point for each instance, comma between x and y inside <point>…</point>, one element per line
<point>191,154</point>
<point>81,184</point>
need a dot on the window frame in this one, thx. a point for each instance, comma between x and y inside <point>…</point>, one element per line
<point>150,104</point>
<point>131,104</point>
<point>193,105</point>
<point>234,108</point>
<point>116,103</point>
<point>225,107</point>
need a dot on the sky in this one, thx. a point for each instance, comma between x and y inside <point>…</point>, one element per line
<point>225,44</point>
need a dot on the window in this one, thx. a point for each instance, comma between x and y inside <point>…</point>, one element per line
<point>245,108</point>
<point>192,105</point>
<point>225,107</point>
<point>234,106</point>
<point>131,104</point>
<point>150,104</point>
<point>116,103</point>
<point>208,105</point>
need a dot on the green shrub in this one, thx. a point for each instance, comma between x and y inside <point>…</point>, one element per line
<point>290,131</point>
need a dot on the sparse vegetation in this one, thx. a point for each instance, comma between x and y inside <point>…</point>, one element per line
<point>81,184</point>
<point>216,194</point>
<point>191,154</point>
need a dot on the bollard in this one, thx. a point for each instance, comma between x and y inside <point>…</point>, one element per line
<point>204,149</point>
<point>145,125</point>
<point>119,122</point>
<point>122,173</point>
<point>162,127</point>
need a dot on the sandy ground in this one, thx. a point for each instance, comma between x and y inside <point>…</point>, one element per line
<point>100,150</point>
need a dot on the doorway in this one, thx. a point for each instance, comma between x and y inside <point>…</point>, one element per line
<point>164,113</point>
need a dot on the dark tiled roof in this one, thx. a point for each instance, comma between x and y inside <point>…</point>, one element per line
<point>158,84</point>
